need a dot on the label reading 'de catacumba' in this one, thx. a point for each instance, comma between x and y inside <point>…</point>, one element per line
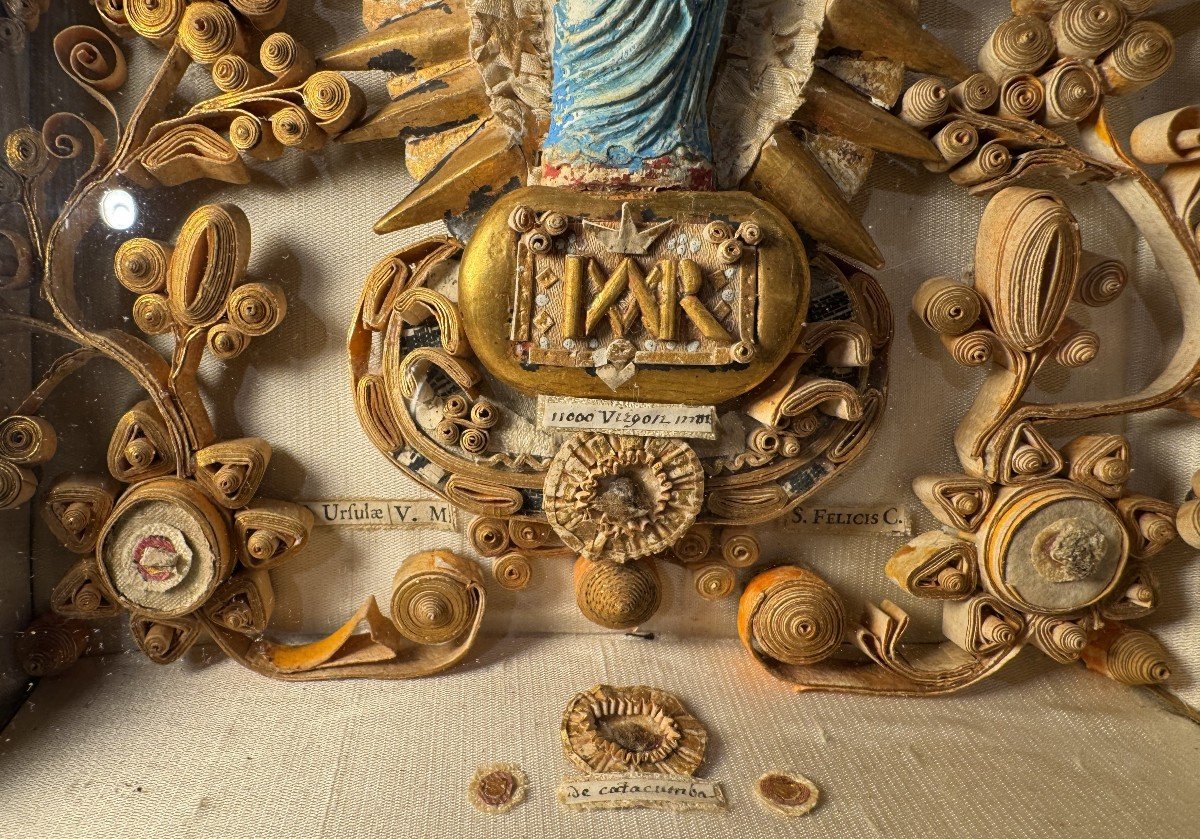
<point>662,792</point>
<point>395,513</point>
<point>639,419</point>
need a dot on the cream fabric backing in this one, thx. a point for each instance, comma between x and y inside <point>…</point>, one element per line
<point>217,751</point>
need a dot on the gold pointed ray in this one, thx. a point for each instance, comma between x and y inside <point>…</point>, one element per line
<point>788,176</point>
<point>834,107</point>
<point>441,101</point>
<point>881,28</point>
<point>431,35</point>
<point>481,168</point>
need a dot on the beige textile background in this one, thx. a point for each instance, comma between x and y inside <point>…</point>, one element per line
<point>218,751</point>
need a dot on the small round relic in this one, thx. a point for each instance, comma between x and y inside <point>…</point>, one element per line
<point>1068,549</point>
<point>497,787</point>
<point>786,794</point>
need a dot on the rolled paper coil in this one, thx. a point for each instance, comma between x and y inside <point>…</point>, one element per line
<point>333,100</point>
<point>264,14</point>
<point>1072,90</point>
<point>791,615</point>
<point>164,640</point>
<point>141,265</point>
<point>693,545</point>
<point>155,20</point>
<point>91,57</point>
<point>50,645</point>
<point>152,314</point>
<point>713,580</point>
<point>244,603</point>
<point>25,152</point>
<point>975,93</point>
<point>270,532</point>
<point>513,571</point>
<point>295,128</point>
<point>739,547</point>
<point>234,74</point>
<point>947,307</point>
<point>231,470</point>
<point>17,485</point>
<point>76,508</point>
<point>1143,54</point>
<point>432,598</point>
<point>27,440</point>
<point>972,349</point>
<point>1086,28</point>
<point>617,595</point>
<point>1129,656</point>
<point>1187,522</point>
<point>1061,640</point>
<point>1079,349</point>
<point>925,102</point>
<point>257,308</point>
<point>489,536</point>
<point>1021,97</point>
<point>1173,137</point>
<point>1022,44</point>
<point>1101,280</point>
<point>955,141</point>
<point>286,58</point>
<point>210,30</point>
<point>211,253</point>
<point>991,161</point>
<point>226,342</point>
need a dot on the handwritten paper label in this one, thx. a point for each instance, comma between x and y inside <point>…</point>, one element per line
<point>395,513</point>
<point>886,520</point>
<point>640,419</point>
<point>664,792</point>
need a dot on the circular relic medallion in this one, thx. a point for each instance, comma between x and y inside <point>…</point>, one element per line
<point>165,548</point>
<point>1054,548</point>
<point>640,729</point>
<point>640,297</point>
<point>786,793</point>
<point>619,498</point>
<point>497,787</point>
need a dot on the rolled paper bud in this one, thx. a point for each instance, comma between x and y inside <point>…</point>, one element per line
<point>1129,656</point>
<point>252,135</point>
<point>432,597</point>
<point>713,580</point>
<point>226,342</point>
<point>141,265</point>
<point>1022,44</point>
<point>164,640</point>
<point>617,595</point>
<point>293,127</point>
<point>1187,522</point>
<point>484,415</point>
<point>992,160</point>
<point>791,615</point>
<point>447,432</point>
<point>954,141</point>
<point>1086,28</point>
<point>975,93</point>
<point>90,57</point>
<point>264,14</point>
<point>488,536</point>
<point>1143,54</point>
<point>234,74</point>
<point>17,485</point>
<point>789,446</point>
<point>972,349</point>
<point>473,441</point>
<point>257,308</point>
<point>1061,640</point>
<point>455,406</point>
<point>1101,280</point>
<point>232,470</point>
<point>152,314</point>
<point>155,20</point>
<point>1079,349</point>
<point>947,307</point>
<point>1173,137</point>
<point>1021,97</point>
<point>925,102</point>
<point>1111,470</point>
<point>764,440</point>
<point>210,30</point>
<point>512,571</point>
<point>285,58</point>
<point>25,152</point>
<point>333,100</point>
<point>211,253</point>
<point>1072,91</point>
<point>27,440</point>
<point>739,547</point>
<point>51,644</point>
<point>693,545</point>
<point>271,532</point>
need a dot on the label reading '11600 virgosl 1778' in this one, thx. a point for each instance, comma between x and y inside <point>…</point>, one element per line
<point>640,419</point>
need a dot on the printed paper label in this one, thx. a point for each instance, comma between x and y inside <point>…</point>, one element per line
<point>893,520</point>
<point>639,419</point>
<point>395,513</point>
